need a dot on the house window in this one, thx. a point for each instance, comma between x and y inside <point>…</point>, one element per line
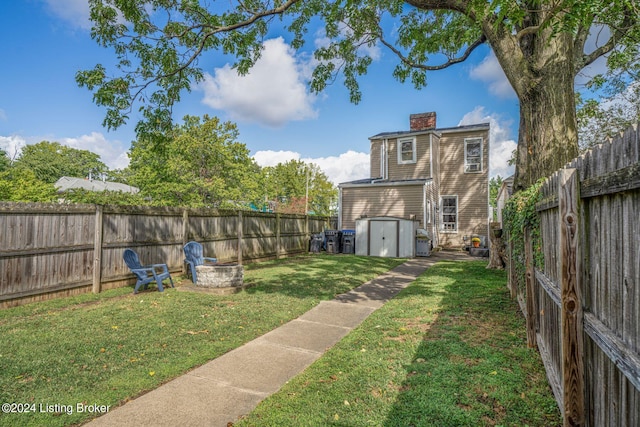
<point>449,209</point>
<point>406,151</point>
<point>473,155</point>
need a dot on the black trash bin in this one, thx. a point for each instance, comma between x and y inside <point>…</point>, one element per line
<point>333,238</point>
<point>315,245</point>
<point>348,241</point>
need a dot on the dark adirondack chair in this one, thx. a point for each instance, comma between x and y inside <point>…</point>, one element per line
<point>146,273</point>
<point>193,257</point>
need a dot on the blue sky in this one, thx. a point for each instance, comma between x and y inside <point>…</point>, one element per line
<point>45,42</point>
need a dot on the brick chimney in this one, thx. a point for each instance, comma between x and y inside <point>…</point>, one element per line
<point>422,121</point>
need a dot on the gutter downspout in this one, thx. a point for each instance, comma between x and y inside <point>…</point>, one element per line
<point>385,158</point>
<point>488,172</point>
<point>424,206</point>
<point>431,155</point>
<point>339,208</point>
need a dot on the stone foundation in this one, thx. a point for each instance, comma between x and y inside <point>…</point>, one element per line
<point>220,276</point>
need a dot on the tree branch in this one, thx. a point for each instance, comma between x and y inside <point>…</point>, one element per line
<point>420,66</point>
<point>526,31</point>
<point>602,50</point>
<point>461,6</point>
<point>618,34</point>
<point>255,16</point>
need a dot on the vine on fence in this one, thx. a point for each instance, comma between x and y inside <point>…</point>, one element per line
<point>519,213</point>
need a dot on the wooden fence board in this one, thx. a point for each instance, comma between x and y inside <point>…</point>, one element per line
<point>608,230</point>
<point>48,248</point>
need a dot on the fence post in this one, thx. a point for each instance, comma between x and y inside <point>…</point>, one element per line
<point>185,235</point>
<point>510,268</point>
<point>278,232</point>
<point>185,227</point>
<point>97,250</point>
<point>240,240</point>
<point>532,306</point>
<point>572,316</point>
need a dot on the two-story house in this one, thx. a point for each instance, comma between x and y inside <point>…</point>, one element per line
<point>438,177</point>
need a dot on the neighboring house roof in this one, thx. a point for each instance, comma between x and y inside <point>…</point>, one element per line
<point>382,182</point>
<point>68,183</point>
<point>467,128</point>
<point>506,189</point>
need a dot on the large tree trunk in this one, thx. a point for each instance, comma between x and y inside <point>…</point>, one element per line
<point>548,137</point>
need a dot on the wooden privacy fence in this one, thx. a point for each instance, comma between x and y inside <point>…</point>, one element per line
<point>49,249</point>
<point>580,291</point>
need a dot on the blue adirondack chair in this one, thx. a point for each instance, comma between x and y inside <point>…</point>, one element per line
<point>146,273</point>
<point>193,257</point>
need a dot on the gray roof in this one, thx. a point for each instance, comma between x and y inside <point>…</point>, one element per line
<point>437,131</point>
<point>383,182</point>
<point>67,183</point>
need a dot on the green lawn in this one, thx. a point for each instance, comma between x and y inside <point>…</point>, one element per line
<point>449,350</point>
<point>108,348</point>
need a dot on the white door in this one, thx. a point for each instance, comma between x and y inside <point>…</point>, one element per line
<point>383,238</point>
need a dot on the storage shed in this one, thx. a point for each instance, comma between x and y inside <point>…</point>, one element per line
<point>386,237</point>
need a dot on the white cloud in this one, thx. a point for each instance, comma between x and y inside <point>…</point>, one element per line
<point>12,145</point>
<point>490,72</point>
<point>346,167</point>
<point>112,153</point>
<point>501,146</point>
<point>272,93</point>
<point>272,158</point>
<point>75,12</point>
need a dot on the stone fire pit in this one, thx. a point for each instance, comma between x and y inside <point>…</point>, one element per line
<point>220,276</point>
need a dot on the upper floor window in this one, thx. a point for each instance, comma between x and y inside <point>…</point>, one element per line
<point>406,150</point>
<point>473,155</point>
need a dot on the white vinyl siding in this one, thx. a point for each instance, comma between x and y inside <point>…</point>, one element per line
<point>472,155</point>
<point>449,214</point>
<point>406,151</point>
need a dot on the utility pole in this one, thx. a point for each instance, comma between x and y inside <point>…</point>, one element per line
<point>306,197</point>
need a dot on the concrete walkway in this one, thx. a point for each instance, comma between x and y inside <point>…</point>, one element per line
<point>232,385</point>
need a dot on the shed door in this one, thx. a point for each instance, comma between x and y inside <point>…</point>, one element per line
<point>383,238</point>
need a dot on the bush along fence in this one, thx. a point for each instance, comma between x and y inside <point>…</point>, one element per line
<point>49,250</point>
<point>578,233</point>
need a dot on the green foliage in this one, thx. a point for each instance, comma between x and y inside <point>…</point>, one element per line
<point>520,213</point>
<point>199,163</point>
<point>158,44</point>
<point>22,185</point>
<point>5,161</point>
<point>287,184</point>
<point>50,161</point>
<point>598,122</point>
<point>494,187</point>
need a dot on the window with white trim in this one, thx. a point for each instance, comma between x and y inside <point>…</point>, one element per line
<point>406,151</point>
<point>449,213</point>
<point>473,155</point>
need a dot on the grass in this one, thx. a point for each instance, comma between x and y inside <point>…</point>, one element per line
<point>449,350</point>
<point>108,348</point>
